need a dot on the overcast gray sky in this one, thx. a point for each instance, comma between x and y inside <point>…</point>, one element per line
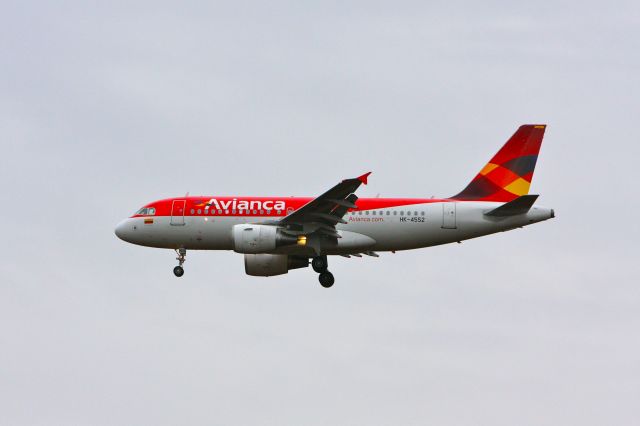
<point>107,106</point>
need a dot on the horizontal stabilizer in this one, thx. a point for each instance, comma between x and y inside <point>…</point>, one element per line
<point>518,206</point>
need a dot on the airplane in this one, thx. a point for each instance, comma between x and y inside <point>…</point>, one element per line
<point>278,234</point>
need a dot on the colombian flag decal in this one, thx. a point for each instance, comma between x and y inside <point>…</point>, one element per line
<point>148,221</point>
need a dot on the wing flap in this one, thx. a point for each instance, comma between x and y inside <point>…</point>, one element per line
<point>327,217</point>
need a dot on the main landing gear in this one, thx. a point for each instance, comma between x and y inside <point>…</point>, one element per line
<point>320,265</point>
<point>178,271</point>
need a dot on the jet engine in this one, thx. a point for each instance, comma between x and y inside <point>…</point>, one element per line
<point>266,265</point>
<point>249,238</point>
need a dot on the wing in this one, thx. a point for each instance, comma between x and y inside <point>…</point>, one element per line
<point>328,209</point>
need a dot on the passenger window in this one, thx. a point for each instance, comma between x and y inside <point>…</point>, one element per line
<point>422,213</point>
<point>388,212</point>
<point>213,211</point>
<point>199,211</point>
<point>192,211</point>
<point>367,212</point>
<point>279,211</point>
<point>233,211</point>
<point>226,212</point>
<point>219,211</point>
<point>261,212</point>
<point>409,213</point>
<point>395,212</point>
<point>401,212</point>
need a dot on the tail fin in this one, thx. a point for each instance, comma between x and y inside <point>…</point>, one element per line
<point>508,175</point>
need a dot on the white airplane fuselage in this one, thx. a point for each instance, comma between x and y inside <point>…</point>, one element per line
<point>397,228</point>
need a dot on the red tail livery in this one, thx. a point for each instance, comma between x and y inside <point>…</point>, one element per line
<point>508,175</point>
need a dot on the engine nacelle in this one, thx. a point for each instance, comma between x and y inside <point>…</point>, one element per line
<point>266,265</point>
<point>249,238</point>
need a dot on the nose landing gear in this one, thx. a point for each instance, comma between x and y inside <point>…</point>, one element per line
<point>320,265</point>
<point>178,271</point>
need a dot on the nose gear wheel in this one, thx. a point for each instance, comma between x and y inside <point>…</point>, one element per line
<point>178,271</point>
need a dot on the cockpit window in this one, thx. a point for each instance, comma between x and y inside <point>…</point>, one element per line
<point>148,211</point>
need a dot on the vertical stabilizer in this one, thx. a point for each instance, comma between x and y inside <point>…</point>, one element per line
<point>509,173</point>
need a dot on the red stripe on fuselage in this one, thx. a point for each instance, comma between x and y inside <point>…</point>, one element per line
<point>163,207</point>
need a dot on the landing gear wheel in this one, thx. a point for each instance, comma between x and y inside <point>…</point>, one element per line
<point>326,279</point>
<point>319,264</point>
<point>178,271</point>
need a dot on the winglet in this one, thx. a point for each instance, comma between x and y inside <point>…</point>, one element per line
<point>364,178</point>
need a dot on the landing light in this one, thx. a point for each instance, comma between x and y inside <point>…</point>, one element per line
<point>302,240</point>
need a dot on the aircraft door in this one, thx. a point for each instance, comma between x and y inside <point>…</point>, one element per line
<point>449,215</point>
<point>177,212</point>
